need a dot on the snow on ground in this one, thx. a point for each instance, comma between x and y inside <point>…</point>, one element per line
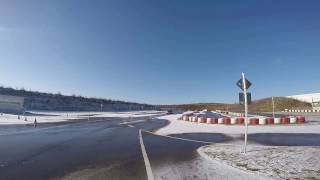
<point>51,116</point>
<point>280,162</point>
<point>179,126</point>
<point>201,168</point>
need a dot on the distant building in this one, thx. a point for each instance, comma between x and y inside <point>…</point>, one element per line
<point>11,104</point>
<point>313,98</point>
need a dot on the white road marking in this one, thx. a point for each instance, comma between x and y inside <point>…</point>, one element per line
<point>145,157</point>
<point>204,142</point>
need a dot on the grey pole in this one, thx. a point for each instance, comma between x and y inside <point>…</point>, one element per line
<point>245,111</point>
<point>273,107</point>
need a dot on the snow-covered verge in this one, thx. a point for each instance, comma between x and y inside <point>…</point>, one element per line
<point>280,162</point>
<point>178,126</point>
<point>50,116</point>
<point>201,168</point>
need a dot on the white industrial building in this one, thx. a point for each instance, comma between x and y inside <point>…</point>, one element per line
<point>313,98</point>
<point>11,104</point>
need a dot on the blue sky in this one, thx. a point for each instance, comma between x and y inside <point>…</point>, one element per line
<point>160,52</point>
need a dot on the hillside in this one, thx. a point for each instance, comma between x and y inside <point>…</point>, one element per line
<point>262,105</point>
<point>48,101</point>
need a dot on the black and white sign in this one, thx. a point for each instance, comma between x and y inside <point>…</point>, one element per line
<point>241,86</point>
<point>241,98</point>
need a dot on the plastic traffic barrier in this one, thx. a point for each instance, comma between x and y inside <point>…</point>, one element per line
<point>269,120</point>
<point>300,119</point>
<point>276,120</point>
<point>209,120</point>
<point>254,121</point>
<point>220,121</point>
<point>214,120</point>
<point>194,119</point>
<point>293,120</point>
<point>226,120</point>
<point>233,120</point>
<point>190,118</point>
<point>202,120</point>
<point>262,120</point>
<point>240,120</point>
<point>284,120</point>
<point>185,118</point>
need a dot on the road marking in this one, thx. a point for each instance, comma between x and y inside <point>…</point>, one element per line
<point>205,142</point>
<point>131,122</point>
<point>145,157</point>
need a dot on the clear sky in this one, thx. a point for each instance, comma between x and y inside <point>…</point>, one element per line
<point>160,51</point>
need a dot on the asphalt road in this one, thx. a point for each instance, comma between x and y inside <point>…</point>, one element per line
<point>103,148</point>
<point>94,149</point>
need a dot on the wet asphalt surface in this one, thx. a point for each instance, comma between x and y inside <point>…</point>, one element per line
<point>105,148</point>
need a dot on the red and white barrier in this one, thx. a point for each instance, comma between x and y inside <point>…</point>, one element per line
<point>240,120</point>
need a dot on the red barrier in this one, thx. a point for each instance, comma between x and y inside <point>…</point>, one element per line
<point>202,119</point>
<point>226,120</point>
<point>284,120</point>
<point>240,120</point>
<point>300,119</point>
<point>269,120</point>
<point>214,120</point>
<point>254,121</point>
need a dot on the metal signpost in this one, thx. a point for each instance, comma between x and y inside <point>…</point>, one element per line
<point>273,107</point>
<point>244,84</point>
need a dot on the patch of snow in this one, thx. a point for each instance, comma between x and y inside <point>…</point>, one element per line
<point>280,162</point>
<point>201,168</point>
<point>51,116</point>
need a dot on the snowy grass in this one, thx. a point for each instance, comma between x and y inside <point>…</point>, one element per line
<point>53,116</point>
<point>276,162</point>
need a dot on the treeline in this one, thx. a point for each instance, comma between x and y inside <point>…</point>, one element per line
<point>49,101</point>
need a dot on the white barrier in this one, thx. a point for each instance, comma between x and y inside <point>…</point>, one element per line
<point>276,120</point>
<point>190,118</point>
<point>209,120</point>
<point>293,120</point>
<point>233,120</point>
<point>262,121</point>
<point>194,119</point>
<point>220,121</point>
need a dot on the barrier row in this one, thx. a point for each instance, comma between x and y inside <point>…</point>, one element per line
<point>303,110</point>
<point>240,120</point>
